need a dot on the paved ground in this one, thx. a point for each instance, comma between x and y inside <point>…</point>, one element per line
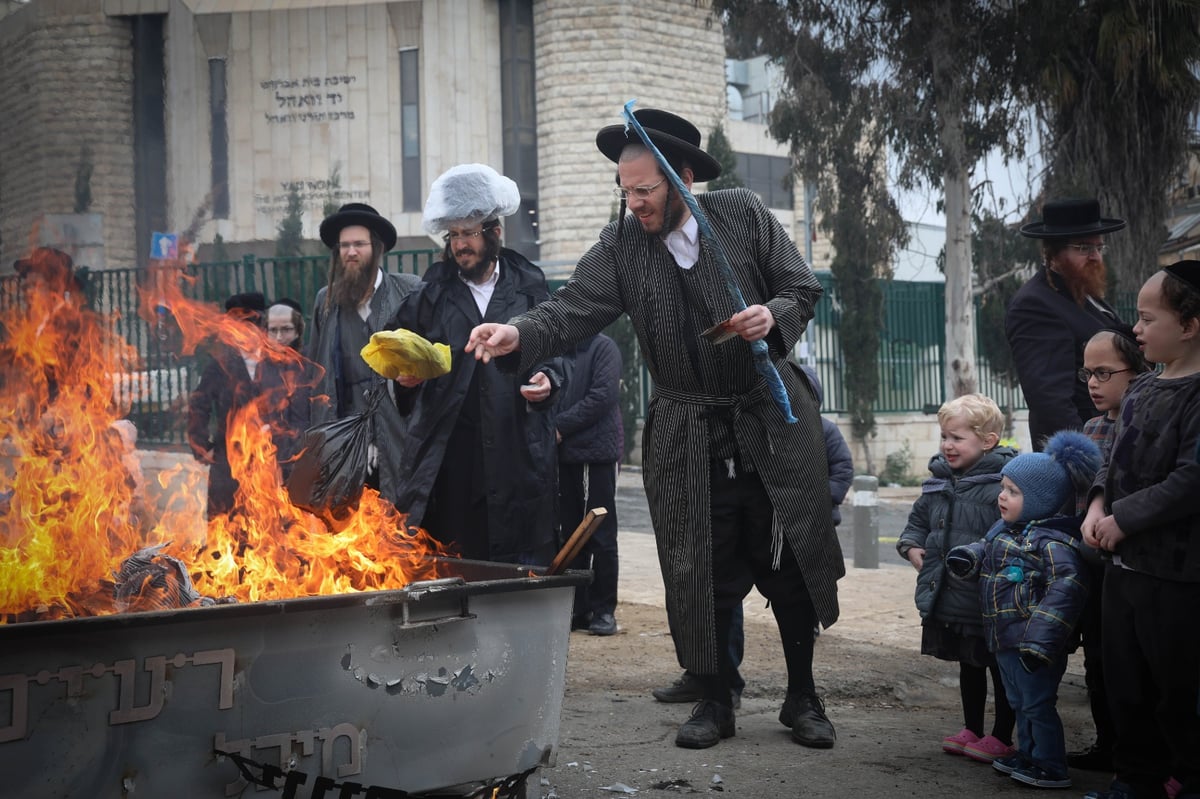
<point>890,705</point>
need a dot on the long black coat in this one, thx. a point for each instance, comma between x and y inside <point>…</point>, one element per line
<point>520,469</point>
<point>225,387</point>
<point>1047,331</point>
<point>389,425</point>
<point>636,274</point>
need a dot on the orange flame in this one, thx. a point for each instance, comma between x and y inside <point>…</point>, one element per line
<point>71,509</point>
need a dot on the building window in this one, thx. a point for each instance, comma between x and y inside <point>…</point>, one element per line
<point>219,146</point>
<point>410,129</point>
<point>767,176</point>
<point>519,122</point>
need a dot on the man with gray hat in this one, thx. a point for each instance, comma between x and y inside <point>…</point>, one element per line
<point>481,468</point>
<point>738,496</point>
<point>357,301</point>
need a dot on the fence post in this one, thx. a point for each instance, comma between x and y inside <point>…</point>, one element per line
<point>866,522</point>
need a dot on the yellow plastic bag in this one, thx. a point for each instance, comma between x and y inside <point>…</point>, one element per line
<point>396,353</point>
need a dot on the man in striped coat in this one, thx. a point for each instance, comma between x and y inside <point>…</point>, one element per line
<point>738,496</point>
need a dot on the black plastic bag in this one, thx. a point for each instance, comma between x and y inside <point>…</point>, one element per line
<point>327,478</point>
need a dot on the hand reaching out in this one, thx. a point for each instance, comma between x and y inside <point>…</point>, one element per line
<point>491,340</point>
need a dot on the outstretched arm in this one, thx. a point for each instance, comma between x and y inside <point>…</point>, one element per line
<point>491,340</point>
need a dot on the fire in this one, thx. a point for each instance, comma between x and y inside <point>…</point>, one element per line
<point>71,511</point>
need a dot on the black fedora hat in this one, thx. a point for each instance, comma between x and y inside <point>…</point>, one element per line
<point>251,301</point>
<point>670,133</point>
<point>358,214</point>
<point>1067,218</point>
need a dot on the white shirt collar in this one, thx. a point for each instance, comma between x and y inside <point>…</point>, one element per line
<point>364,307</point>
<point>482,292</point>
<point>684,243</point>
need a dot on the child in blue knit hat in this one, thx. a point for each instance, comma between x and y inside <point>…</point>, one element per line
<point>1033,584</point>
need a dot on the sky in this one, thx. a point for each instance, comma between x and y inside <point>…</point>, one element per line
<point>1007,197</point>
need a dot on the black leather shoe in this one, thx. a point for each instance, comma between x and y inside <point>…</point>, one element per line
<point>805,714</point>
<point>709,723</point>
<point>604,624</point>
<point>686,689</point>
<point>1094,758</point>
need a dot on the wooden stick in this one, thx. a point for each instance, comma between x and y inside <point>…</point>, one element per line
<point>578,538</point>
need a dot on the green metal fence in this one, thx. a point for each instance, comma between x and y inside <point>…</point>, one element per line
<point>911,362</point>
<point>156,390</point>
<point>912,349</point>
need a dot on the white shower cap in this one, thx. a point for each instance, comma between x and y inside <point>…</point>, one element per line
<point>469,194</point>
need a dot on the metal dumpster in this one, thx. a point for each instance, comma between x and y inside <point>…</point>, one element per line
<point>441,688</point>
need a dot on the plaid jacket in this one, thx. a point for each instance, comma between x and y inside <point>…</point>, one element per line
<point>1032,584</point>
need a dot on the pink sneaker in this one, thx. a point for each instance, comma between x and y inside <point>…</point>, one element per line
<point>987,749</point>
<point>957,743</point>
<point>1172,787</point>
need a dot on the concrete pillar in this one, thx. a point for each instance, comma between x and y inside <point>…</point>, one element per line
<point>866,522</point>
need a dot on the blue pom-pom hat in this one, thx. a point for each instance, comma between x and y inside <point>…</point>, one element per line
<point>1049,479</point>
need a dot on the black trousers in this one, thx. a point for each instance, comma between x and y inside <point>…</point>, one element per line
<point>741,534</point>
<point>1091,632</point>
<point>582,487</point>
<point>1152,674</point>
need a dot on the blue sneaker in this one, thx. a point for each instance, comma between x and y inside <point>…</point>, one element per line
<point>1038,777</point>
<point>1007,765</point>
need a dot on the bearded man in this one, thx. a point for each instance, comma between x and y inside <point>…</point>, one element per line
<point>1050,319</point>
<point>358,299</point>
<point>738,496</point>
<point>482,469</point>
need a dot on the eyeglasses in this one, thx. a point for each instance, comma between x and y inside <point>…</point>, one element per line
<point>1089,249</point>
<point>1101,375</point>
<point>641,192</point>
<point>465,235</point>
<point>281,331</point>
<point>357,245</point>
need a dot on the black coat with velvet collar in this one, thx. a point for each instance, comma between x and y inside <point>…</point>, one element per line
<point>1047,331</point>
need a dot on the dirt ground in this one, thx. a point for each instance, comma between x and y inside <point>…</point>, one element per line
<point>890,705</point>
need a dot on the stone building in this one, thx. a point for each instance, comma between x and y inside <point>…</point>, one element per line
<point>122,118</point>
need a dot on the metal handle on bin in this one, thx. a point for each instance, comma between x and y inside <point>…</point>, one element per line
<point>418,590</point>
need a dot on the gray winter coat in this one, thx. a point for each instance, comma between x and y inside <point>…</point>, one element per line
<point>389,424</point>
<point>952,510</point>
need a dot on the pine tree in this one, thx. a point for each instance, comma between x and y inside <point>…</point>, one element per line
<point>290,241</point>
<point>720,149</point>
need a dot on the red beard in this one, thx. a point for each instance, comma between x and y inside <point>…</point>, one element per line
<point>1089,279</point>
